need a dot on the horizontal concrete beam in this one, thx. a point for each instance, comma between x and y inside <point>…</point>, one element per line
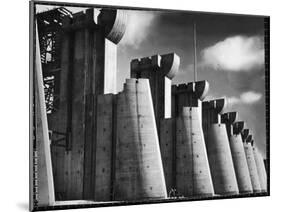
<point>168,63</point>
<point>229,118</point>
<point>199,88</point>
<point>146,62</point>
<point>218,104</point>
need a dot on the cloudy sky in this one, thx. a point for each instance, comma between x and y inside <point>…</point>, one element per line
<point>230,55</point>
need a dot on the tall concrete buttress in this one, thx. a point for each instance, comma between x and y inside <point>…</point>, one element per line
<point>88,69</point>
<point>260,168</point>
<point>237,151</point>
<point>160,70</point>
<point>193,177</point>
<point>139,172</point>
<point>218,149</point>
<point>247,139</point>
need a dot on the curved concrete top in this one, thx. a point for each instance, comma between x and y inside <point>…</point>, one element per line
<point>229,117</point>
<point>114,23</point>
<point>218,104</point>
<point>201,89</point>
<point>170,64</point>
<point>238,127</point>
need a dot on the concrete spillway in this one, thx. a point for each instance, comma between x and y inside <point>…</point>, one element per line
<point>139,172</point>
<point>260,169</point>
<point>218,149</point>
<point>193,177</point>
<point>251,162</point>
<point>237,151</point>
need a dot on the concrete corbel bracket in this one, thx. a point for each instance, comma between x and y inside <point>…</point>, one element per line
<point>170,64</point>
<point>201,89</point>
<point>218,105</point>
<point>114,23</point>
<point>238,127</point>
<point>229,118</point>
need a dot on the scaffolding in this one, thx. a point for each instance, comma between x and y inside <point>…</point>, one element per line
<point>50,34</point>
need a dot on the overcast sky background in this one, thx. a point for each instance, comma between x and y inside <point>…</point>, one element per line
<point>230,55</point>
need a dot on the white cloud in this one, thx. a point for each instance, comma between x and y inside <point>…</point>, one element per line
<point>249,97</point>
<point>138,27</point>
<point>237,53</point>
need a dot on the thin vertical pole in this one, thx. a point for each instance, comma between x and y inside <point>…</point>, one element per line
<point>195,53</point>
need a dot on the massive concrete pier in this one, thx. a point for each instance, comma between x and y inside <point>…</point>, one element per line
<point>193,177</point>
<point>218,149</point>
<point>237,151</point>
<point>88,68</point>
<point>139,170</point>
<point>247,142</point>
<point>260,169</point>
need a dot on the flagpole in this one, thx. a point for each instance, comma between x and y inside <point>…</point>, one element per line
<point>195,52</point>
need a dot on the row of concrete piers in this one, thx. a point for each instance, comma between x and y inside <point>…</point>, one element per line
<point>153,140</point>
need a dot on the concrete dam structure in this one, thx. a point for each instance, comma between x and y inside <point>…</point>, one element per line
<point>153,139</point>
<point>234,129</point>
